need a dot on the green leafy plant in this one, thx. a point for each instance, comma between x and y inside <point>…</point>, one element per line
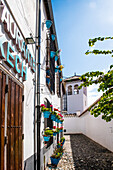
<point>62,139</point>
<point>56,155</point>
<point>44,108</point>
<point>53,113</point>
<point>48,132</point>
<point>57,129</point>
<point>104,106</point>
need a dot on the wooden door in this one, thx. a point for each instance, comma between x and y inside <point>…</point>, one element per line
<point>2,117</point>
<point>14,124</point>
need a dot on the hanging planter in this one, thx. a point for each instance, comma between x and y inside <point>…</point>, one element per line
<point>52,54</point>
<point>56,120</point>
<point>54,161</point>
<point>56,69</point>
<point>46,114</point>
<point>53,117</point>
<point>61,130</point>
<point>46,138</point>
<point>47,134</point>
<point>47,79</point>
<point>60,79</point>
<point>46,111</point>
<point>62,140</point>
<point>48,23</point>
<point>53,37</point>
<point>56,58</point>
<point>54,133</point>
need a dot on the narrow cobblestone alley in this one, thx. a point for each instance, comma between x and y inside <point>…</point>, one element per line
<point>82,153</point>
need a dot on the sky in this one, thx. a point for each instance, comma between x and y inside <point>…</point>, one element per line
<point>77,21</point>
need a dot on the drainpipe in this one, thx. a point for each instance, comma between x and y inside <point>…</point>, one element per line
<point>38,85</point>
<point>36,51</point>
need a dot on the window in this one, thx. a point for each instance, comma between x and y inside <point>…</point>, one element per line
<point>76,90</point>
<point>65,102</point>
<point>85,90</point>
<point>69,90</point>
<point>58,84</point>
<point>50,65</point>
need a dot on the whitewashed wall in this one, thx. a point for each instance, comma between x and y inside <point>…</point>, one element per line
<point>73,125</point>
<point>95,128</point>
<point>99,130</point>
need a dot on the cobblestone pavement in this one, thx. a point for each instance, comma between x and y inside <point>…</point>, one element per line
<point>89,155</point>
<point>82,153</point>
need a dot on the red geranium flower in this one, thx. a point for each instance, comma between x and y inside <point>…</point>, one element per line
<point>55,109</point>
<point>42,105</point>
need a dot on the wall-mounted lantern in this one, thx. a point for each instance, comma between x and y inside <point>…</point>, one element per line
<point>30,40</point>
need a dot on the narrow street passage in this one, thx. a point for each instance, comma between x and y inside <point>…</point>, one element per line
<point>82,153</point>
<point>89,155</point>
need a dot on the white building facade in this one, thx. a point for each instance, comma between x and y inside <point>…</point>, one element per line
<point>75,100</point>
<point>22,124</point>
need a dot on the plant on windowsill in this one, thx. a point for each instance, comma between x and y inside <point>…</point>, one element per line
<point>46,111</point>
<point>47,134</point>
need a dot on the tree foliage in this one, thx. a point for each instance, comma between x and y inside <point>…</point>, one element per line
<point>105,80</point>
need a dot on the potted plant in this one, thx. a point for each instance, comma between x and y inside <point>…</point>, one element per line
<point>58,144</point>
<point>54,131</point>
<point>61,129</point>
<point>58,130</point>
<point>47,134</point>
<point>61,120</point>
<point>60,150</point>
<point>62,140</point>
<point>46,111</point>
<point>47,79</point>
<point>57,118</point>
<point>55,158</point>
<point>53,115</point>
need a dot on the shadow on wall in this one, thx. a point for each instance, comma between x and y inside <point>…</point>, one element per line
<point>88,154</point>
